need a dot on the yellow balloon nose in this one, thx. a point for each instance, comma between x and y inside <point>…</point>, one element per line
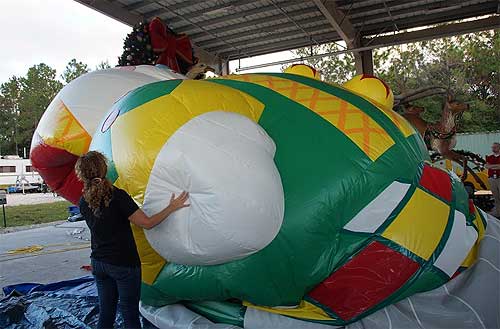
<point>304,70</point>
<point>372,88</point>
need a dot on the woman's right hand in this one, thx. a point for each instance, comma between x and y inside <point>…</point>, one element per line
<point>141,219</point>
<point>179,202</point>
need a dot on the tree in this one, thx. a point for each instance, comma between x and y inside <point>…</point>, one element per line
<point>103,65</point>
<point>466,65</point>
<point>137,49</point>
<point>39,87</point>
<point>73,70</point>
<point>22,103</point>
<point>482,71</point>
<point>336,68</point>
<point>10,93</point>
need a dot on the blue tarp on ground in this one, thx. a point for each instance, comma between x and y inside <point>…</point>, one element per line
<point>66,304</point>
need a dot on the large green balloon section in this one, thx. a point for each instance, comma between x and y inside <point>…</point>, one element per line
<point>327,179</point>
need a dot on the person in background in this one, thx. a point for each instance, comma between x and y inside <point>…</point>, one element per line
<point>493,166</point>
<point>116,267</point>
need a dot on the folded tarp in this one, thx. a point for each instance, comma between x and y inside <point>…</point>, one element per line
<point>66,304</point>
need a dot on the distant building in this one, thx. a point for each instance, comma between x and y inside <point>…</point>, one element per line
<point>14,169</point>
<point>479,143</point>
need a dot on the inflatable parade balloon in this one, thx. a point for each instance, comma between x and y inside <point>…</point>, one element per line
<point>310,200</point>
<point>67,126</point>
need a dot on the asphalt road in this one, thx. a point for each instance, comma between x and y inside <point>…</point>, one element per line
<point>65,247</point>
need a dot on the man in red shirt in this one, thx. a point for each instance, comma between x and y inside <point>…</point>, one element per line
<point>493,165</point>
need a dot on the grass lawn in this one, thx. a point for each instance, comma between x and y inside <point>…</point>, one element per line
<point>35,213</point>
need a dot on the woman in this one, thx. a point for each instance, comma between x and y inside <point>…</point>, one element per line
<point>108,212</point>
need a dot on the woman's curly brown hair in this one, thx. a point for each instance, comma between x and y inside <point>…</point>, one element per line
<point>91,169</point>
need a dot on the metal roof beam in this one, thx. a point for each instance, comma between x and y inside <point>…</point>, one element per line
<point>259,10</point>
<point>402,38</point>
<point>423,18</point>
<point>338,20</point>
<point>282,45</point>
<point>354,4</point>
<point>231,29</point>
<point>436,32</point>
<point>177,6</point>
<point>194,14</point>
<point>119,13</point>
<point>489,23</point>
<point>137,5</point>
<point>442,31</point>
<point>278,27</point>
<point>256,39</point>
<point>159,12</point>
<point>381,9</point>
<point>112,10</point>
<point>398,12</point>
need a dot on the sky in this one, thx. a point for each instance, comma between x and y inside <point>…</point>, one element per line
<point>55,31</point>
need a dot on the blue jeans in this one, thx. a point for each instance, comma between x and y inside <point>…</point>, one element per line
<point>117,286</point>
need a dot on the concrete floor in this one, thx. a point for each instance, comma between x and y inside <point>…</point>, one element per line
<point>66,247</point>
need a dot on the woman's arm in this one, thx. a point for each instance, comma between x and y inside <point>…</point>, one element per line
<point>139,218</point>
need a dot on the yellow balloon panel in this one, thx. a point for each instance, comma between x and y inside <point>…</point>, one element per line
<point>354,123</point>
<point>472,256</point>
<point>420,225</point>
<point>400,122</point>
<point>59,128</point>
<point>304,310</point>
<point>151,261</point>
<point>155,121</point>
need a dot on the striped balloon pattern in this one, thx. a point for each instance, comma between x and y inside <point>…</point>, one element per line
<point>367,219</point>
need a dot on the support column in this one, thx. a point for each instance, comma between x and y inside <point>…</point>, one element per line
<point>224,67</point>
<point>364,62</point>
<point>345,29</point>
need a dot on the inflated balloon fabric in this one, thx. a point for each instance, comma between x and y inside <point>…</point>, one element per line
<point>308,199</point>
<point>225,161</point>
<point>67,126</point>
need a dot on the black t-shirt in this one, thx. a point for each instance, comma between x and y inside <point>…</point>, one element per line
<point>111,236</point>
